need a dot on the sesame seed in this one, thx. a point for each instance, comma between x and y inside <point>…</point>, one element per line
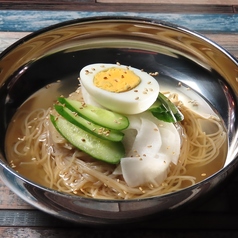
<point>137,98</point>
<point>154,74</point>
<point>21,139</point>
<point>141,189</point>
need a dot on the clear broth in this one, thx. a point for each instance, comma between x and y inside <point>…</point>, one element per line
<point>45,98</point>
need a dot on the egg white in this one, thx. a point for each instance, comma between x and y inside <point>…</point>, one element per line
<point>134,101</point>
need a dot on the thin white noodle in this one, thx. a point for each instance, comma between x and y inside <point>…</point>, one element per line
<point>69,170</point>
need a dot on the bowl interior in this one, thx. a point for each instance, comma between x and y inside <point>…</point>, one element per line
<point>206,71</point>
<point>58,53</point>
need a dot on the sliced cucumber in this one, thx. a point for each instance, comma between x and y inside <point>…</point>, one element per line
<point>165,110</point>
<point>105,150</point>
<point>172,108</point>
<point>95,129</point>
<point>97,115</point>
<point>158,107</point>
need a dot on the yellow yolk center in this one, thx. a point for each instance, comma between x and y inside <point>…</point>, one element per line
<point>116,80</point>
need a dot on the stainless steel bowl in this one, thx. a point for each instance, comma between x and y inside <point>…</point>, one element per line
<point>60,51</point>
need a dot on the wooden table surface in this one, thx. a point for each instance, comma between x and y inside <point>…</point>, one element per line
<point>217,215</point>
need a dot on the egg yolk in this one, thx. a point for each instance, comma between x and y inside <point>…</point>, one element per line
<point>116,80</point>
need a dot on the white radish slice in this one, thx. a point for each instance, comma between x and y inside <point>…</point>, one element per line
<point>170,136</point>
<point>87,97</point>
<point>171,141</point>
<point>137,171</point>
<point>147,141</point>
<point>151,145</point>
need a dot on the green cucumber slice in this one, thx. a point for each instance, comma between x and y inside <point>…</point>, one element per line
<point>88,126</point>
<point>165,110</point>
<point>178,115</point>
<point>105,150</point>
<point>99,116</point>
<point>158,107</point>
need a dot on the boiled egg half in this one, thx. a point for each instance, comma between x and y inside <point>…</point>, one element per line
<point>119,88</point>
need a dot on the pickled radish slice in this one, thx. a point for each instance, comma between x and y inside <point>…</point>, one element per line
<point>151,145</point>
